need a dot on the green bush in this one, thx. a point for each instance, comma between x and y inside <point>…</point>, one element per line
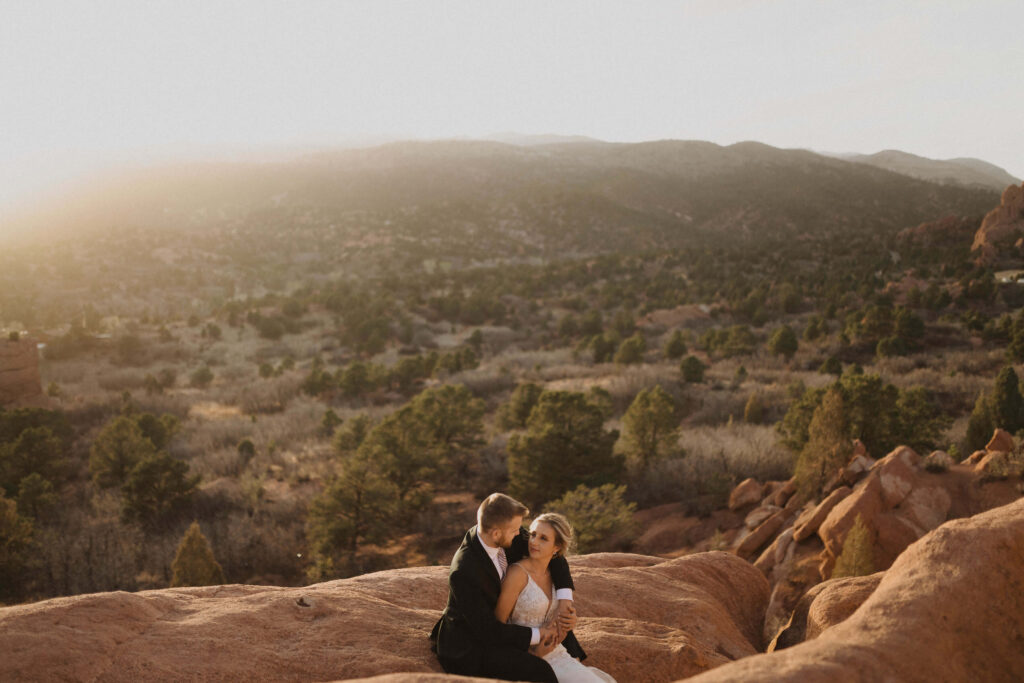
<point>692,369</point>
<point>601,517</point>
<point>857,556</point>
<point>565,445</point>
<point>194,563</point>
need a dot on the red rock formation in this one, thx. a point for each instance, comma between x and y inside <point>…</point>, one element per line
<point>20,385</point>
<point>951,608</point>
<point>669,619</point>
<point>1001,226</point>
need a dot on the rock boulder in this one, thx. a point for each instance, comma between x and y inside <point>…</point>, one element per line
<point>671,619</point>
<point>951,608</point>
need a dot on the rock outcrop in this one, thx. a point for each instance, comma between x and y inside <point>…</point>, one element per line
<point>20,385</point>
<point>1001,226</point>
<point>667,619</point>
<point>951,608</point>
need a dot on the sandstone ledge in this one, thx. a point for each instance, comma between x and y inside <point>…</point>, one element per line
<point>667,619</point>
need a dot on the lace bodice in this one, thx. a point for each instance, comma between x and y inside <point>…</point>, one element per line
<point>533,608</point>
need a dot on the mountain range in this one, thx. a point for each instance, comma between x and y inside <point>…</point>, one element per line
<point>536,197</point>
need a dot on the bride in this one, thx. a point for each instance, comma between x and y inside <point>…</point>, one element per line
<point>527,596</point>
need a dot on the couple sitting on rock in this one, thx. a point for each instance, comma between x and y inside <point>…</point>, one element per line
<point>510,613</point>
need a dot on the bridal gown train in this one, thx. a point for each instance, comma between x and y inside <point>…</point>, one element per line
<point>533,608</point>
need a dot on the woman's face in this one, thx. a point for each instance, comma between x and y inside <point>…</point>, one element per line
<point>542,541</point>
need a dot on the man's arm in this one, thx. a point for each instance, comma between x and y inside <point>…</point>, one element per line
<point>473,606</point>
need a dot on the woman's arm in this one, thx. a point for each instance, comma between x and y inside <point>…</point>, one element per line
<point>511,587</point>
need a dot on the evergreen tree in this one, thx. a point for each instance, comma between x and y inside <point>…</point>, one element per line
<point>692,369</point>
<point>16,544</point>
<point>981,424</point>
<point>631,351</point>
<point>753,411</point>
<point>194,563</point>
<point>565,445</point>
<point>828,446</point>
<point>650,428</point>
<point>601,516</point>
<point>513,415</point>
<point>783,342</point>
<point>118,447</point>
<point>675,347</point>
<point>156,490</point>
<point>1007,403</point>
<point>356,508</point>
<point>857,556</point>
<point>831,366</point>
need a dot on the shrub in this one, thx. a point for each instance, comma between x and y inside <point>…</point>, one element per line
<point>565,445</point>
<point>675,347</point>
<point>201,377</point>
<point>156,490</point>
<point>692,369</point>
<point>753,411</point>
<point>513,415</point>
<point>194,563</point>
<point>783,342</point>
<point>118,447</point>
<point>828,446</point>
<point>857,556</point>
<point>631,351</point>
<point>601,517</point>
<point>650,427</point>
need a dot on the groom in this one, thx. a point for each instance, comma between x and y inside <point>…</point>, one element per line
<point>468,639</point>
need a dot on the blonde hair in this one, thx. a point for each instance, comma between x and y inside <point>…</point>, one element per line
<point>565,537</point>
<point>497,509</point>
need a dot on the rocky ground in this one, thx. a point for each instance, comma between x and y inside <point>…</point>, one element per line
<point>947,605</point>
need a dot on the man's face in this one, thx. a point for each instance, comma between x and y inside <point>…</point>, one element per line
<point>506,533</point>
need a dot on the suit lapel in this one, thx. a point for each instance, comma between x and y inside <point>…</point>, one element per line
<point>475,546</point>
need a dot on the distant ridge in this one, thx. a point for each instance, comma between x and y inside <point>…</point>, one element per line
<point>524,140</point>
<point>550,198</point>
<point>964,171</point>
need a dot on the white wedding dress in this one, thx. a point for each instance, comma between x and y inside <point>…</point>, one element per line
<point>532,609</point>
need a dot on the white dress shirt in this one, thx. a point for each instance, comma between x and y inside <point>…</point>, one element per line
<point>560,594</point>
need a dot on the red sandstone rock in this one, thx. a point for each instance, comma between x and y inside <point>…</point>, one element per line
<point>20,385</point>
<point>670,619</point>
<point>753,541</point>
<point>747,492</point>
<point>1001,441</point>
<point>926,507</point>
<point>974,458</point>
<point>1001,225</point>
<point>859,450</point>
<point>938,461</point>
<point>951,608</point>
<point>759,514</point>
<point>784,494</point>
<point>865,501</point>
<point>897,472</point>
<point>995,465</point>
<point>823,606</point>
<point>806,528</point>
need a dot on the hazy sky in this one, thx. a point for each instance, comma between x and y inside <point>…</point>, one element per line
<point>90,84</point>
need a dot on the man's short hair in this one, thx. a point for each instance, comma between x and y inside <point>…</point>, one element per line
<point>497,509</point>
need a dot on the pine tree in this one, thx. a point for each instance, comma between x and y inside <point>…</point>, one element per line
<point>1007,403</point>
<point>753,412</point>
<point>783,342</point>
<point>857,556</point>
<point>194,564</point>
<point>650,427</point>
<point>675,348</point>
<point>828,446</point>
<point>565,445</point>
<point>692,369</point>
<point>981,423</point>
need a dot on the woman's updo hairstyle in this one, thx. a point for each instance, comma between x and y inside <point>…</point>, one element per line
<point>565,537</point>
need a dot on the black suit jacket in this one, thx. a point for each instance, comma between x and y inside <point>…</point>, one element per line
<point>468,623</point>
